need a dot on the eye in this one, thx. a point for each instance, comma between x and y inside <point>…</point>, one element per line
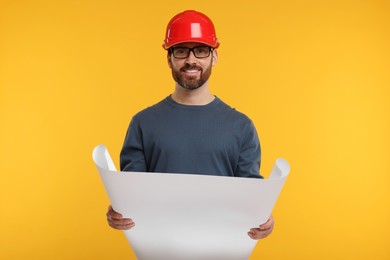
<point>201,50</point>
<point>180,50</point>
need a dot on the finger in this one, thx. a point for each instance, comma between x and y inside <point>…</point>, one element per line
<point>121,227</point>
<point>117,218</point>
<point>258,234</point>
<point>267,225</point>
<point>113,214</point>
<point>254,236</point>
<point>121,223</point>
<point>251,235</point>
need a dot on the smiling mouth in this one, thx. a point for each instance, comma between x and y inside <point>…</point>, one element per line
<point>191,71</point>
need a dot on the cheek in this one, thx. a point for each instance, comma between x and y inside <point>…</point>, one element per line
<point>176,65</point>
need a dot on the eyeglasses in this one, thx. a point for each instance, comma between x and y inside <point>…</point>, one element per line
<point>184,52</point>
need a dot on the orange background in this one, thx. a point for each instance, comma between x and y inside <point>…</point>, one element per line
<point>312,75</point>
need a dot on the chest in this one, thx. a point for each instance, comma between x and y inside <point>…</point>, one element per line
<point>197,136</point>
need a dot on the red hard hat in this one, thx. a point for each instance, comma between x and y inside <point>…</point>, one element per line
<point>190,26</point>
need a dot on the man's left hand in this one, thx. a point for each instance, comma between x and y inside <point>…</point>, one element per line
<point>263,230</point>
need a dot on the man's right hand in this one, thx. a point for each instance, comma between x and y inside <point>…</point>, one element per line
<point>116,220</point>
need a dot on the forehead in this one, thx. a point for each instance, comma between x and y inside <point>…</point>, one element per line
<point>189,44</point>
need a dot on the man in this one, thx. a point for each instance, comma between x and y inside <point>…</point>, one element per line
<point>191,131</point>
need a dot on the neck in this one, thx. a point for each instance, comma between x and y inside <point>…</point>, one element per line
<point>197,97</point>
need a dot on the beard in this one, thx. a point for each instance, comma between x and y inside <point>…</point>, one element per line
<point>192,83</point>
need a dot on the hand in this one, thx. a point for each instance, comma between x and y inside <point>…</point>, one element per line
<point>116,220</point>
<point>263,230</point>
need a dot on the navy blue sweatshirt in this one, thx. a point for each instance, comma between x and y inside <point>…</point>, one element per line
<point>213,139</point>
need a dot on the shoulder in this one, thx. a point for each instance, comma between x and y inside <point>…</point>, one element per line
<point>151,112</point>
<point>233,114</point>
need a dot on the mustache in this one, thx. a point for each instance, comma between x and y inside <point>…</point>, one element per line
<point>190,67</point>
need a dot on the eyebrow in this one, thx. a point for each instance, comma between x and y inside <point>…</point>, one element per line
<point>183,46</point>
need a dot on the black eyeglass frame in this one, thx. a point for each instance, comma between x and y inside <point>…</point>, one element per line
<point>191,50</point>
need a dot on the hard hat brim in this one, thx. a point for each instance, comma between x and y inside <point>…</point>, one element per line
<point>167,46</point>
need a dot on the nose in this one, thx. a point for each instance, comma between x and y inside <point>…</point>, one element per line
<point>191,59</point>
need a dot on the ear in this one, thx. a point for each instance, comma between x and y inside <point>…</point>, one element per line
<point>169,59</point>
<point>215,57</point>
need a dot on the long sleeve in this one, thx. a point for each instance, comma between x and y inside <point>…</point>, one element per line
<point>250,153</point>
<point>132,156</point>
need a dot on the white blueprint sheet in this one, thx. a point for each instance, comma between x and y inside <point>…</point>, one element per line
<point>186,216</point>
